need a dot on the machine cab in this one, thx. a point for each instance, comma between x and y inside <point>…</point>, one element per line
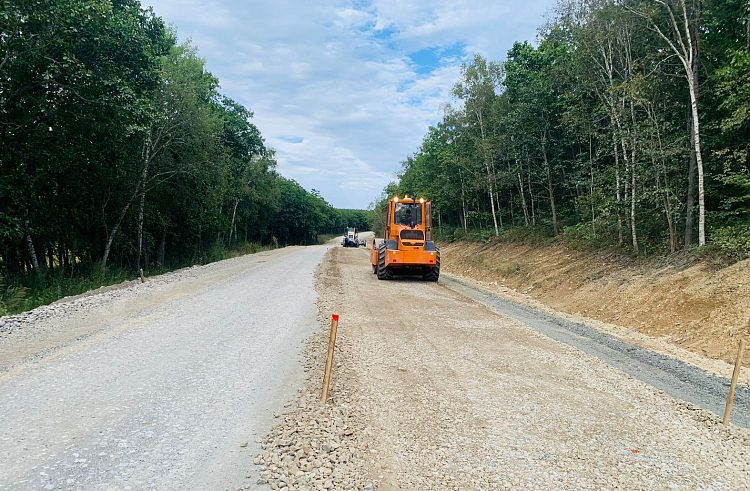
<point>409,222</point>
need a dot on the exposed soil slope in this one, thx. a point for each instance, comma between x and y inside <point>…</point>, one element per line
<point>690,305</point>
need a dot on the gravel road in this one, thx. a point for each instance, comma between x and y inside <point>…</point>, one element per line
<point>156,386</point>
<point>434,391</point>
<point>673,376</point>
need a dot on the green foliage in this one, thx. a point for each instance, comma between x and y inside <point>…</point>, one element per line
<point>733,241</point>
<point>359,219</point>
<point>31,291</point>
<point>324,238</point>
<point>117,151</point>
<point>28,292</point>
<point>582,136</point>
<point>12,298</point>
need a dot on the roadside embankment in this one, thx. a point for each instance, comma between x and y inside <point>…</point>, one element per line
<point>673,305</point>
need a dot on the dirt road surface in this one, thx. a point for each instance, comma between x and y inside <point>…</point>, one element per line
<point>675,377</point>
<point>156,386</point>
<point>435,391</point>
<point>681,304</point>
<point>165,386</point>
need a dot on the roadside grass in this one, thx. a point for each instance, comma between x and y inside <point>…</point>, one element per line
<point>323,238</point>
<point>726,247</point>
<point>31,291</point>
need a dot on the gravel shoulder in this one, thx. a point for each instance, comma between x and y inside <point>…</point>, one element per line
<point>434,391</point>
<point>677,378</point>
<point>694,310</point>
<point>51,331</point>
<point>156,386</point>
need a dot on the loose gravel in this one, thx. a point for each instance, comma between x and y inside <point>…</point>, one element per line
<point>673,376</point>
<point>94,300</point>
<point>433,391</point>
<point>163,387</point>
<point>316,446</point>
<point>30,336</point>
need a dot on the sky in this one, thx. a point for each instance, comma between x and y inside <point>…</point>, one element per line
<point>345,90</point>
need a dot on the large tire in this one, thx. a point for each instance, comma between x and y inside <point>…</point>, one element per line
<point>433,273</point>
<point>384,273</point>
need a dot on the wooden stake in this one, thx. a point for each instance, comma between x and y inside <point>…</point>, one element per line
<point>733,386</point>
<point>329,360</point>
<point>143,280</point>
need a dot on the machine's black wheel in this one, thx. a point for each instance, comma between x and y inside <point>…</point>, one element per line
<point>384,273</point>
<point>434,273</point>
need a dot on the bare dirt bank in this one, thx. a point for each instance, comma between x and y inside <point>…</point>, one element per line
<point>675,305</point>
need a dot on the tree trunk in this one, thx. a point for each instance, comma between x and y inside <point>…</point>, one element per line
<point>618,196</point>
<point>66,258</point>
<point>688,51</point>
<point>551,191</point>
<point>30,246</point>
<point>142,204</point>
<point>162,247</point>
<point>591,187</point>
<point>699,164</point>
<point>492,200</point>
<point>511,200</point>
<point>523,201</point>
<point>231,227</point>
<point>489,173</point>
<point>665,192</point>
<point>51,256</point>
<point>531,197</point>
<point>633,197</point>
<point>111,236</point>
<point>667,212</point>
<point>629,162</point>
<point>32,253</point>
<point>690,200</point>
<point>694,86</point>
<point>463,202</point>
<point>499,213</point>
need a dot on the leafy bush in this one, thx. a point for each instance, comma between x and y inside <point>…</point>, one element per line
<point>527,235</point>
<point>734,241</point>
<point>33,290</point>
<point>12,299</point>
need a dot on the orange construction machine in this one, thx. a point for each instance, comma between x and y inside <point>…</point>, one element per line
<point>407,247</point>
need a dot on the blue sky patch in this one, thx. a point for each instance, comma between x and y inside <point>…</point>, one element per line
<point>292,139</point>
<point>428,59</point>
<point>384,34</point>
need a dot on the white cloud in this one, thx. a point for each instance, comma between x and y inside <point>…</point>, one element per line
<point>338,75</point>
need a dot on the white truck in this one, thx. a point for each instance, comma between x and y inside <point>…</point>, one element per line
<point>351,239</point>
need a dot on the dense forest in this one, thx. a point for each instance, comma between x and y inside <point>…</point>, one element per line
<point>626,125</point>
<point>118,152</point>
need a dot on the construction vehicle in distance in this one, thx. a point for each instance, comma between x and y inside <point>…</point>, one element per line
<point>407,247</point>
<point>351,239</point>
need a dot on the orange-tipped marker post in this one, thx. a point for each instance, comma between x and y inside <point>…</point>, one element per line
<point>329,360</point>
<point>733,384</point>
